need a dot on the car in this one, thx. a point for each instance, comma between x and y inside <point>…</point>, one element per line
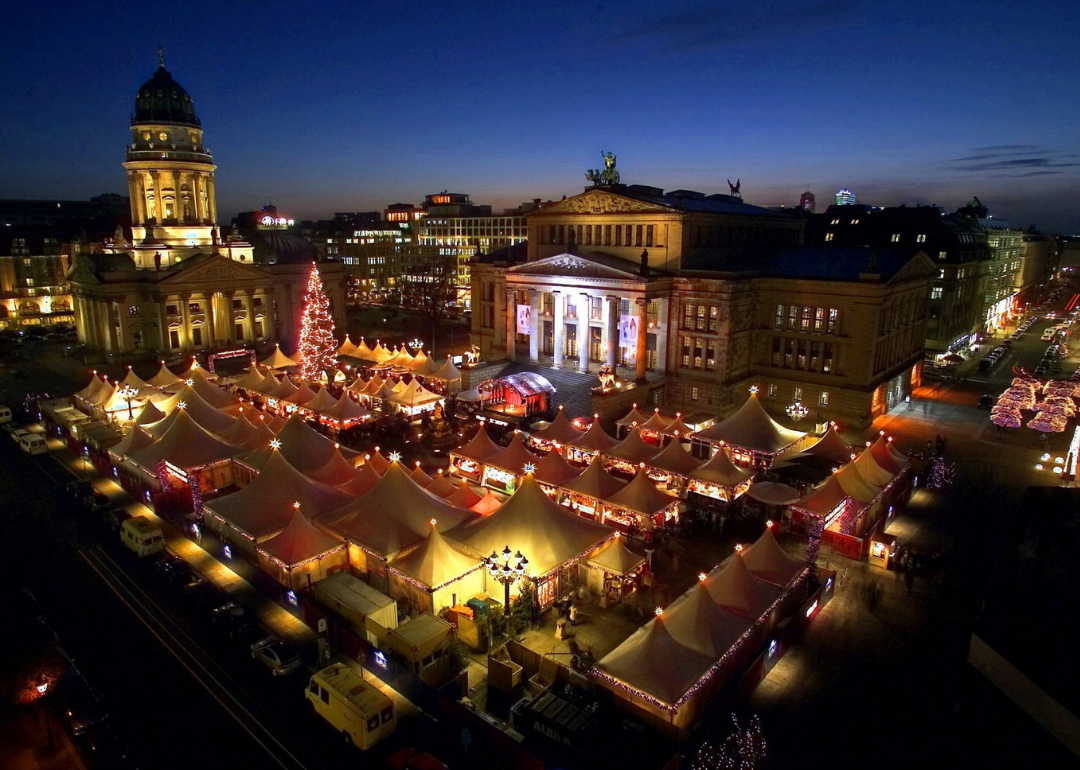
<point>96,502</point>
<point>234,621</point>
<point>79,488</point>
<point>986,402</point>
<point>203,595</point>
<point>114,518</point>
<point>1040,370</point>
<point>174,570</point>
<point>18,433</point>
<point>106,750</point>
<point>278,655</point>
<point>80,707</point>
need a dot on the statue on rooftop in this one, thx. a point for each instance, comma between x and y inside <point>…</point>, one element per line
<point>735,188</point>
<point>609,175</point>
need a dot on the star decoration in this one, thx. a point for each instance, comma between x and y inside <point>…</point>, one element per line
<point>182,405</point>
<point>275,444</point>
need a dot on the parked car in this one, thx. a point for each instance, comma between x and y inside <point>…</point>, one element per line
<point>79,488</point>
<point>5,414</point>
<point>114,518</point>
<point>203,595</point>
<point>18,433</point>
<point>174,570</point>
<point>96,502</point>
<point>278,655</point>
<point>234,621</point>
<point>80,707</point>
<point>33,444</point>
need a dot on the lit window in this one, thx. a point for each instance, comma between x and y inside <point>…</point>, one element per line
<point>772,390</point>
<point>854,221</point>
<point>828,236</point>
<point>942,254</point>
<point>823,399</point>
<point>133,310</point>
<point>896,237</point>
<point>798,394</point>
<point>693,394</point>
<point>921,239</point>
<point>836,221</point>
<point>935,293</point>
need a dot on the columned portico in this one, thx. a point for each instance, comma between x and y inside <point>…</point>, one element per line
<point>642,339</point>
<point>534,325</point>
<point>583,311</point>
<point>511,326</point>
<point>558,333</point>
<point>611,331</point>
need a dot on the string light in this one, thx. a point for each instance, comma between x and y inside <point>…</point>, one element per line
<point>318,347</point>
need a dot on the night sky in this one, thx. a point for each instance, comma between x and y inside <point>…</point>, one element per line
<point>364,104</point>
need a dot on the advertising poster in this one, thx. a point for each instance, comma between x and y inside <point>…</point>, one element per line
<point>524,319</point>
<point>628,328</point>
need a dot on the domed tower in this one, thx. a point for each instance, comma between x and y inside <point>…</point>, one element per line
<point>170,174</point>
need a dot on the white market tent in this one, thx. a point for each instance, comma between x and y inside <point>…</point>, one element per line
<point>305,448</point>
<point>278,360</point>
<point>185,445</point>
<point>300,554</point>
<point>132,380</point>
<point>447,372</point>
<point>322,402</point>
<point>344,412</point>
<point>164,377</point>
<point>431,574</point>
<point>196,408</point>
<point>720,478</point>
<point>831,447</point>
<point>634,417</point>
<point>751,435</point>
<point>642,503</point>
<point>733,587</point>
<point>269,384</point>
<point>252,379</point>
<point>559,432</point>
<point>616,558</point>
<point>149,414</point>
<point>631,450</point>
<point>767,560</point>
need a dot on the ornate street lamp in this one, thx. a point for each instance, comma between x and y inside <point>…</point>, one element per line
<point>796,411</point>
<point>506,569</point>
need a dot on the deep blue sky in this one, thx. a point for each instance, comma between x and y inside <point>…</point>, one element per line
<point>357,105</point>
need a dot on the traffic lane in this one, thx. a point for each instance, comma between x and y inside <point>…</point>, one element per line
<point>167,719</point>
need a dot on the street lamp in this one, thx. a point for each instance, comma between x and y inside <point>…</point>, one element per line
<point>796,411</point>
<point>506,569</point>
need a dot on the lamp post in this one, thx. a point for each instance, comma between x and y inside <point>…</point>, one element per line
<point>506,569</point>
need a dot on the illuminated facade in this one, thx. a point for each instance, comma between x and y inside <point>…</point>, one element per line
<point>701,304</point>
<point>177,286</point>
<point>32,286</point>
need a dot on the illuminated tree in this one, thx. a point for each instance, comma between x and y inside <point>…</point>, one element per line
<point>318,347</point>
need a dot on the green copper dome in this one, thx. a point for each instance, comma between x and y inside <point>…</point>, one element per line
<point>163,100</point>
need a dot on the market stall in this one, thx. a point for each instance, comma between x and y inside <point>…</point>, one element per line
<point>628,454</point>
<point>750,436</point>
<point>672,467</point>
<point>615,572</point>
<point>434,575</point>
<point>556,435</point>
<point>640,507</point>
<point>300,555</point>
<point>591,443</point>
<point>719,479</point>
<point>586,495</point>
<point>469,461</point>
<point>504,470</point>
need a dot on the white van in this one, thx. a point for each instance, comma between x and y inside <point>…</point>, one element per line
<point>356,708</point>
<point>33,444</point>
<point>5,414</point>
<point>142,536</point>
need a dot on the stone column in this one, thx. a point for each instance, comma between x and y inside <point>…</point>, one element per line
<point>138,202</point>
<point>534,327</point>
<point>185,329</point>
<point>230,318</point>
<point>163,326</point>
<point>662,336</point>
<point>642,339</point>
<point>211,200</point>
<point>249,309</point>
<point>211,332</point>
<point>511,326</point>
<point>558,332</point>
<point>112,319</point>
<point>155,176</point>
<point>611,330</point>
<point>583,311</point>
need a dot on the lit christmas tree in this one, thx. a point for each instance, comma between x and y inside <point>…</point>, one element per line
<point>318,348</point>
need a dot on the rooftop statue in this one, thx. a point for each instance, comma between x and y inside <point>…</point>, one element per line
<point>609,175</point>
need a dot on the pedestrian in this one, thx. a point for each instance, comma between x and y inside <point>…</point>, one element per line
<point>573,614</point>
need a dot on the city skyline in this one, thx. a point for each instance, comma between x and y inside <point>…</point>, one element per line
<point>351,110</point>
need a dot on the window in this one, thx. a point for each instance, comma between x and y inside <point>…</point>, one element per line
<point>714,318</point>
<point>834,321</point>
<point>854,221</point>
<point>325,695</point>
<point>819,319</point>
<point>920,238</point>
<point>701,318</point>
<point>259,326</point>
<point>827,358</point>
<point>196,336</point>
<point>778,319</point>
<point>238,328</point>
<point>618,235</point>
<point>806,318</point>
<point>836,221</point>
<point>710,355</point>
<point>170,309</point>
<point>648,236</point>
<point>688,316</point>
<point>637,234</point>
<point>588,235</point>
<point>194,307</point>
<point>693,394</point>
<point>803,347</point>
<point>823,399</point>
<point>828,236</point>
<point>776,341</point>
<point>792,317</point>
<point>137,339</point>
<point>686,351</point>
<point>772,390</point>
<point>607,235</point>
<point>935,293</point>
<point>798,394</point>
<point>133,310</point>
<point>789,353</point>
<point>942,254</point>
<point>174,339</point>
<point>237,304</point>
<point>896,237</point>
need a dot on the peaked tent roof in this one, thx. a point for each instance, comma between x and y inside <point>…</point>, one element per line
<point>283,391</point>
<point>278,360</point>
<point>336,471</point>
<point>441,486</point>
<point>545,532</point>
<point>394,515</point>
<point>642,496</point>
<point>269,384</point>
<point>515,457</point>
<point>616,558</point>
<point>831,446</point>
<point>633,417</point>
<point>149,414</point>
<point>824,498</point>
<point>363,352</point>
<point>132,380</point>
<point>301,395</point>
<point>363,481</point>
<point>487,505</point>
<point>322,402</point>
<point>252,379</point>
<point>633,449</point>
<point>772,493</point>
<point>871,470</point>
<point>435,563</point>
<point>213,394</point>
<point>595,482</point>
<point>103,394</point>
<point>448,371</point>
<point>480,447</point>
<point>347,348</point>
<point>561,430</point>
<point>373,387</point>
<point>419,359</point>
<point>417,474</point>
<point>463,496</point>
<point>380,354</point>
<point>265,504</point>
<point>721,471</point>
<point>346,409</point>
<point>197,408</point>
<point>185,444</point>
<point>594,439</point>
<point>733,586</point>
<point>262,437</point>
<point>401,358</point>
<point>304,447</point>
<point>657,422</point>
<point>357,385</point>
<point>677,428</point>
<point>767,560</point>
<point>887,456</point>
<point>856,486</point>
<point>241,432</point>
<point>415,393</point>
<point>299,541</point>
<point>695,621</point>
<point>675,459</point>
<point>752,428</point>
<point>164,377</point>
<point>377,461</point>
<point>651,661</point>
<point>554,470</point>
<point>427,368</point>
<point>91,388</point>
<point>136,439</point>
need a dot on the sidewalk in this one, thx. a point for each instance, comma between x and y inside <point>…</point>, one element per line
<point>25,740</point>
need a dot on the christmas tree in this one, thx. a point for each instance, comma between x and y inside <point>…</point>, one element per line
<point>318,348</point>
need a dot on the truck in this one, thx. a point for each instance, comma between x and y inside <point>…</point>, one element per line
<point>354,707</point>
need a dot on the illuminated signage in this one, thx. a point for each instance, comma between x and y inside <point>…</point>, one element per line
<point>277,221</point>
<point>812,608</point>
<point>380,658</point>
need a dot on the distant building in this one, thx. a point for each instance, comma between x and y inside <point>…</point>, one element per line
<point>845,197</point>
<point>101,213</point>
<point>1005,268</point>
<point>32,286</point>
<point>807,202</point>
<point>176,285</point>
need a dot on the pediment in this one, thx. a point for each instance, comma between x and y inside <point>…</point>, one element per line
<point>599,201</point>
<point>82,272</point>
<point>573,265</point>
<point>216,268</point>
<point>919,266</point>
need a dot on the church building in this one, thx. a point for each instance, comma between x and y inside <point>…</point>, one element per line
<point>176,286</point>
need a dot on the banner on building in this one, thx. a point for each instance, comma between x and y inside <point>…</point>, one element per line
<point>628,329</point>
<point>524,319</point>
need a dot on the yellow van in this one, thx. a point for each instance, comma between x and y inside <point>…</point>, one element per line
<point>356,708</point>
<point>142,536</point>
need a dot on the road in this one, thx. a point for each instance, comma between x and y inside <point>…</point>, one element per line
<point>180,695</point>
